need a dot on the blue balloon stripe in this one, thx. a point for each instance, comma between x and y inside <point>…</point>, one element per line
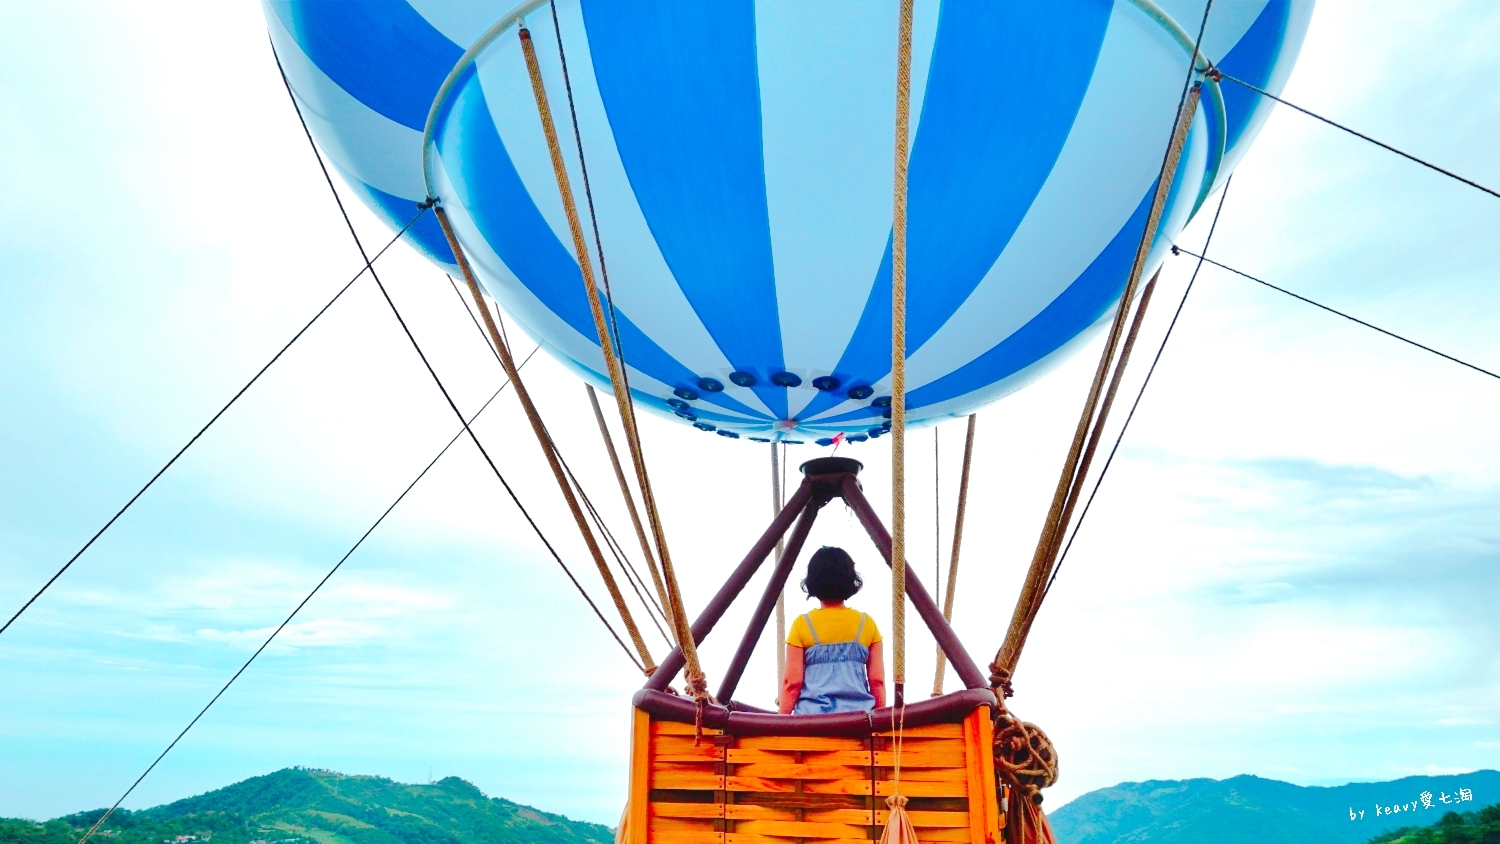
<point>679,83</point>
<point>1254,59</point>
<point>382,52</point>
<point>675,90</point>
<point>1001,100</point>
<point>489,188</point>
<point>1087,300</point>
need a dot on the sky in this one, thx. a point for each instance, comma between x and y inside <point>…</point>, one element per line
<point>1291,569</point>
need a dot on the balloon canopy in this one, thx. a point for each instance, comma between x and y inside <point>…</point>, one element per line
<point>740,164</point>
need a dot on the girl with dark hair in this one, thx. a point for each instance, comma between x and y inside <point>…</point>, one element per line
<point>833,655</point>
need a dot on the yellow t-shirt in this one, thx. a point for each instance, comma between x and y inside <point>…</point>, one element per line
<point>834,624</point>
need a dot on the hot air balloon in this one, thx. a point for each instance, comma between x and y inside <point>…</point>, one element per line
<point>738,159</point>
<point>726,191</point>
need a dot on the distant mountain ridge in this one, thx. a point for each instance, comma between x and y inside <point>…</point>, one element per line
<point>1252,810</point>
<point>303,806</point>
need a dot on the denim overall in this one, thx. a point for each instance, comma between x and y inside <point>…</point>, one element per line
<point>834,678</point>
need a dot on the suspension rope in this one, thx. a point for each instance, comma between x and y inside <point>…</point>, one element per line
<point>937,513</point>
<point>1066,494</point>
<point>512,373</point>
<point>1109,461</point>
<point>544,440</point>
<point>958,536</point>
<point>621,559</point>
<point>632,435</point>
<point>777,502</point>
<point>1299,297</point>
<point>298,609</point>
<point>1219,74</point>
<point>631,575</point>
<point>898,357</point>
<point>677,614</point>
<point>203,430</point>
<point>635,515</point>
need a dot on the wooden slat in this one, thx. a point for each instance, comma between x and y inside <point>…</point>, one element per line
<point>955,820</point>
<point>707,837</point>
<point>672,728</point>
<point>687,810</point>
<point>660,824</point>
<point>753,838</point>
<point>962,835</point>
<point>948,756</point>
<point>954,731</point>
<point>686,779</point>
<point>792,771</point>
<point>923,774</point>
<point>884,788</point>
<point>802,829</point>
<point>661,767</point>
<point>637,805</point>
<point>801,743</point>
<point>752,812</point>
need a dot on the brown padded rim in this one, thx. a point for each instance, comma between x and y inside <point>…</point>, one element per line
<point>742,720</point>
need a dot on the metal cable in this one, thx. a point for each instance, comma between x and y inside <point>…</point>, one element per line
<point>1109,461</point>
<point>344,212</point>
<point>1298,296</point>
<point>1362,136</point>
<point>296,610</point>
<point>201,431</point>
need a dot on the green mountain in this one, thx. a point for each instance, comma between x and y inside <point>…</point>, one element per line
<point>1482,827</point>
<point>1251,810</point>
<point>302,806</point>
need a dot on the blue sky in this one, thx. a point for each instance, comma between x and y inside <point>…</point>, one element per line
<point>1291,571</point>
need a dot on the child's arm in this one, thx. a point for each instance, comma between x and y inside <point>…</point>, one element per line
<point>791,683</point>
<point>875,670</point>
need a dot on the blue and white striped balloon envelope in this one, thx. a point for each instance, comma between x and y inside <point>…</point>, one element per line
<point>740,165</point>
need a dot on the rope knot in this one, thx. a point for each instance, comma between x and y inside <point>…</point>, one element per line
<point>1000,682</point>
<point>1214,73</point>
<point>697,686</point>
<point>431,201</point>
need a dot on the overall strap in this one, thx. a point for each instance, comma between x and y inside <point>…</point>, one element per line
<point>807,617</point>
<point>860,631</point>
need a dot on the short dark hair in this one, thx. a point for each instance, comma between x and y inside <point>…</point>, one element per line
<point>831,575</point>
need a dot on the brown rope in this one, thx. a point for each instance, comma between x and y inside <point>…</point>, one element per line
<point>677,614</point>
<point>545,441</point>
<point>1070,480</point>
<point>635,516</point>
<point>958,538</point>
<point>777,502</point>
<point>898,356</point>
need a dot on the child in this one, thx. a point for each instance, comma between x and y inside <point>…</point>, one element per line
<point>833,659</point>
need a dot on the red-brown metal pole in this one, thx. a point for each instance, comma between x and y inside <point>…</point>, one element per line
<point>963,664</point>
<point>732,587</point>
<point>767,603</point>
